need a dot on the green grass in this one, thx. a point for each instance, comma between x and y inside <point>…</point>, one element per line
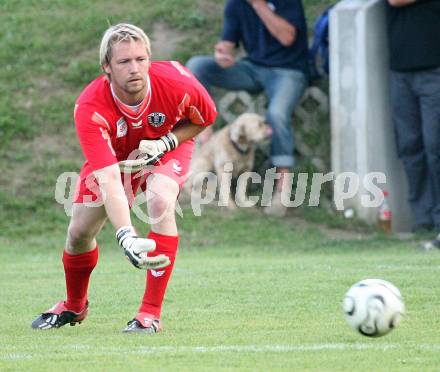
<point>49,51</point>
<point>248,293</point>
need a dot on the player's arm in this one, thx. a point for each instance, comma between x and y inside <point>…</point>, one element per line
<point>186,130</point>
<point>151,151</point>
<point>118,212</point>
<point>280,28</point>
<point>198,111</point>
<point>93,133</point>
<point>115,200</point>
<point>183,131</point>
<point>398,3</point>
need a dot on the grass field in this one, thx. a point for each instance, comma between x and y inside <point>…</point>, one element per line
<point>248,293</point>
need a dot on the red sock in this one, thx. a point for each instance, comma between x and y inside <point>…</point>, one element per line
<point>77,269</point>
<point>157,280</point>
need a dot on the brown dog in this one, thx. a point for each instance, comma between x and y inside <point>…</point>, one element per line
<point>233,144</point>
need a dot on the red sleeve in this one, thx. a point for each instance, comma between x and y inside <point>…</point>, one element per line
<point>196,105</point>
<point>94,135</point>
<point>201,109</point>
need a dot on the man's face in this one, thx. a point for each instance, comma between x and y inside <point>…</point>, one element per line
<point>128,70</point>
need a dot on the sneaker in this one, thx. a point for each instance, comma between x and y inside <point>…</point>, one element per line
<point>276,208</point>
<point>144,323</point>
<point>432,245</point>
<point>58,315</point>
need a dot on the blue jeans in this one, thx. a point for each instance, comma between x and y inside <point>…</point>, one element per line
<point>415,99</point>
<point>283,87</point>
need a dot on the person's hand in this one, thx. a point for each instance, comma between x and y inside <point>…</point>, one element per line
<point>257,4</point>
<point>140,163</point>
<point>136,249</point>
<point>224,54</point>
<point>253,2</point>
<point>151,151</point>
<point>153,148</point>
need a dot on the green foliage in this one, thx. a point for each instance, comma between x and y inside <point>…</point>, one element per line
<point>80,73</point>
<point>13,123</point>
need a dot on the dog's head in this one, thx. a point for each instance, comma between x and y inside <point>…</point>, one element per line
<point>249,128</point>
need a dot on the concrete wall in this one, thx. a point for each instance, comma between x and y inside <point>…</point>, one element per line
<point>362,131</point>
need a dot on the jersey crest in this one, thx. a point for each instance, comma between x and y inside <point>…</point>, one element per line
<point>156,119</point>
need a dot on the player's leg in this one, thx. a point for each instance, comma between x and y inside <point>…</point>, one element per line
<point>162,191</point>
<point>81,252</point>
<point>284,89</point>
<point>79,259</point>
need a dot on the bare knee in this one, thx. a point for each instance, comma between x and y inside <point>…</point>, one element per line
<point>80,239</point>
<point>162,205</point>
<point>162,194</point>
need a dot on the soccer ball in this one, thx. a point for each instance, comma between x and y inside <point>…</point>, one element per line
<point>373,307</point>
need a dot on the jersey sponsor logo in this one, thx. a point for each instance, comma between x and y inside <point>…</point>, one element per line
<point>156,119</point>
<point>136,125</point>
<point>157,274</point>
<point>122,127</point>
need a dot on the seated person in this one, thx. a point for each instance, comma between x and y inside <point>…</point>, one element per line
<point>274,36</point>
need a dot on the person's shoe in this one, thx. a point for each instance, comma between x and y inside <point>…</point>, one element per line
<point>432,245</point>
<point>276,208</point>
<point>144,323</point>
<point>58,315</point>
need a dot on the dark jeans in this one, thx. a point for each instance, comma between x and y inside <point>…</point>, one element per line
<point>283,87</point>
<point>415,98</point>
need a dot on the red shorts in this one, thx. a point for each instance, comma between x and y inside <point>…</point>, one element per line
<point>174,164</point>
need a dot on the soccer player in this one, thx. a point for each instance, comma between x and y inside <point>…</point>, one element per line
<point>155,108</point>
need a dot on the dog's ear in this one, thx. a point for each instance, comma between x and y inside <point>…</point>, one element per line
<point>238,133</point>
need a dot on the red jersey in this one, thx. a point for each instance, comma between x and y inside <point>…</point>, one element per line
<point>109,131</point>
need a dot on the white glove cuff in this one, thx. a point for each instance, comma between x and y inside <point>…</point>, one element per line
<point>170,141</point>
<point>125,232</point>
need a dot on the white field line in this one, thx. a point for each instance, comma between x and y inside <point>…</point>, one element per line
<point>95,351</point>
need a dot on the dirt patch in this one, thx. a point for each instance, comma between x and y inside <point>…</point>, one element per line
<point>64,146</point>
<point>19,175</point>
<point>164,41</point>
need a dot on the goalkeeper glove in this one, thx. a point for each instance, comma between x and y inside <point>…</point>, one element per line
<point>151,152</point>
<point>135,165</point>
<point>163,144</point>
<point>136,249</point>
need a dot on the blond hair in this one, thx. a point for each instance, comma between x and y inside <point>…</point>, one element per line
<point>118,33</point>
